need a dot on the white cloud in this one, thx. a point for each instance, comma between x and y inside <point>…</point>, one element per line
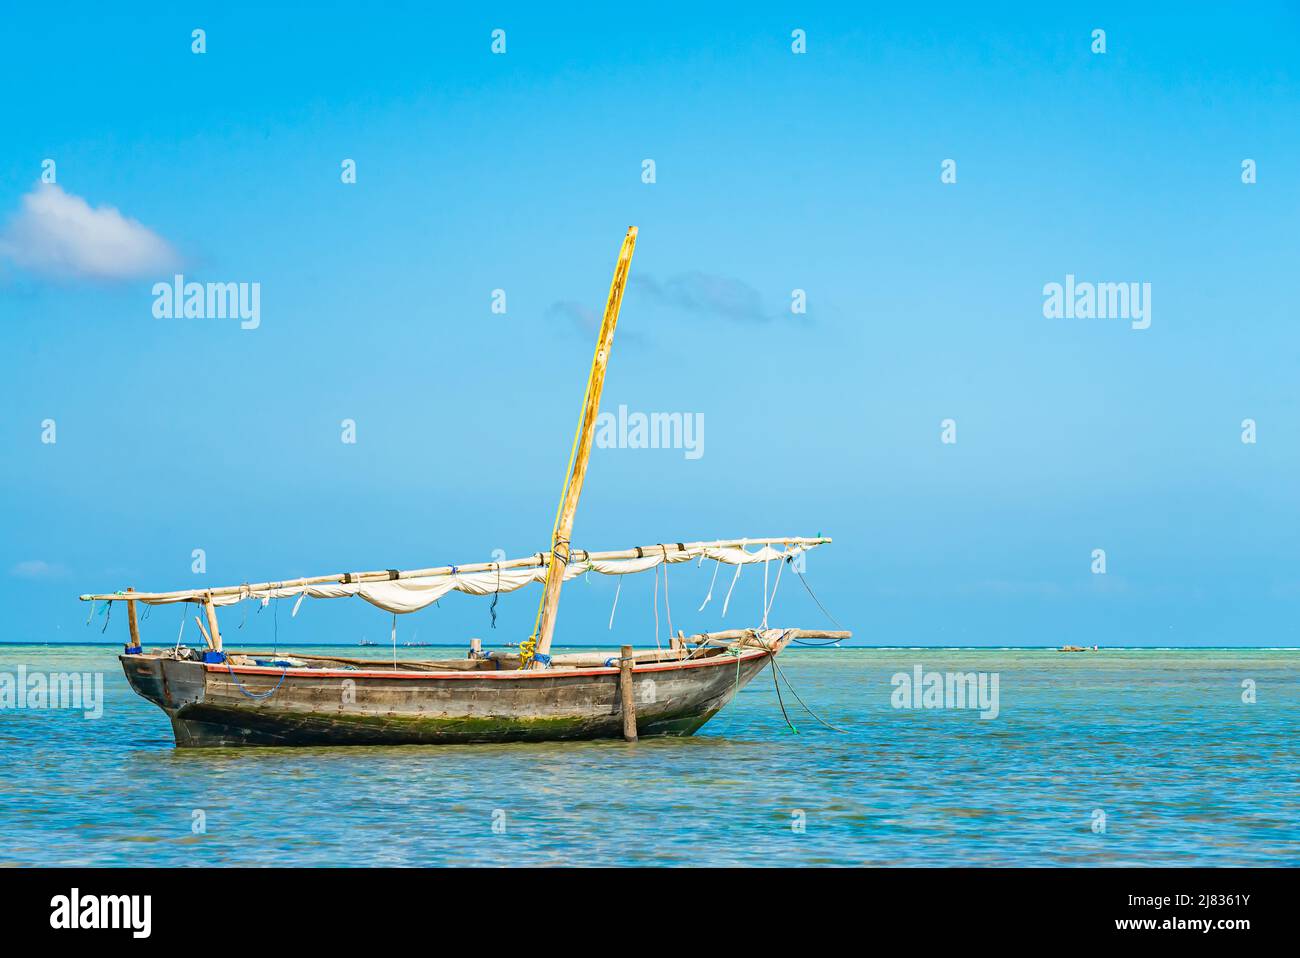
<point>59,234</point>
<point>36,569</point>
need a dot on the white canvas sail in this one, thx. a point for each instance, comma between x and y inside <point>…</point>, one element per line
<point>401,592</point>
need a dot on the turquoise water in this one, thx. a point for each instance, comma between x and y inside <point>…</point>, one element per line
<point>1158,741</point>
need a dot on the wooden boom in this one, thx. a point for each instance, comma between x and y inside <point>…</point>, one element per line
<point>550,602</point>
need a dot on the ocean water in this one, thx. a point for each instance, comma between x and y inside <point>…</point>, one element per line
<point>1157,746</point>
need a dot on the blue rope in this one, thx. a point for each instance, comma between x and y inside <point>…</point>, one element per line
<point>264,695</point>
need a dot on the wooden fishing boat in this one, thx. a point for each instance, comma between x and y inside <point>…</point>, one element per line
<point>216,697</point>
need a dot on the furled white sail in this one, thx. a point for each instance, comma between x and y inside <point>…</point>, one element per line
<point>402,592</point>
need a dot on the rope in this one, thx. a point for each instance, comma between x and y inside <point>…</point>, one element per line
<point>617,589</point>
<point>527,649</point>
<point>824,612</point>
<point>252,695</point>
<point>185,613</point>
<point>734,579</point>
<point>736,653</point>
<point>779,700</point>
<point>767,606</point>
<point>657,645</point>
<point>496,597</point>
<point>777,669</point>
<point>667,605</point>
<point>709,598</point>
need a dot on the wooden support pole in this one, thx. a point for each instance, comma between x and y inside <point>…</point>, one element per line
<point>475,648</point>
<point>131,621</point>
<point>207,639</point>
<point>560,548</point>
<point>626,698</point>
<point>212,623</point>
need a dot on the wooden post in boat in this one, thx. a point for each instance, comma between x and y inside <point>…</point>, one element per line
<point>627,700</point>
<point>131,621</point>
<point>581,453</point>
<point>475,648</point>
<point>207,639</point>
<point>212,623</point>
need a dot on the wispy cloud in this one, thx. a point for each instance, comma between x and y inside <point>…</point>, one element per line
<point>582,319</point>
<point>60,234</point>
<point>572,313</point>
<point>706,295</point>
<point>703,294</point>
<point>36,569</point>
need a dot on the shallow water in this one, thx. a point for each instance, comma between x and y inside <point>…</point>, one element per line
<point>1159,741</point>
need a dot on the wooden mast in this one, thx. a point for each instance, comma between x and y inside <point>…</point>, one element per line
<point>132,622</point>
<point>581,455</point>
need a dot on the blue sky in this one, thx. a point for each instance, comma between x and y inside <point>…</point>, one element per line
<point>774,171</point>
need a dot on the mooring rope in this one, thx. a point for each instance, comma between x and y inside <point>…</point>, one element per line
<point>779,700</point>
<point>776,669</point>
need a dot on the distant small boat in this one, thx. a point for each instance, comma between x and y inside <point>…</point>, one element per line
<point>214,698</point>
<point>1078,648</point>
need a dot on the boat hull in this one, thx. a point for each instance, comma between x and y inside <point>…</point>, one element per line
<point>224,705</point>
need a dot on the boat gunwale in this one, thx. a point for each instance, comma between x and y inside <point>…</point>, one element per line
<point>513,673</point>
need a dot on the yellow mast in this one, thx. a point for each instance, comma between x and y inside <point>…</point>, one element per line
<point>538,647</point>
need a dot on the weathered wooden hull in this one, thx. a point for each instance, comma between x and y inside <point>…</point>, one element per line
<point>225,705</point>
